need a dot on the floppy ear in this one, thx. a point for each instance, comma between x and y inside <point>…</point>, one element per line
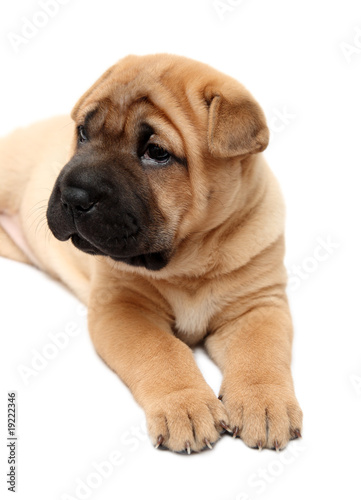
<point>236,124</point>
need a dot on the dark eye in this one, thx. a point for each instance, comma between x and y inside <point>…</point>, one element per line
<point>82,134</point>
<point>156,153</point>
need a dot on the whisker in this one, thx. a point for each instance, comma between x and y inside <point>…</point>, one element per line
<point>40,216</point>
<point>36,208</point>
<point>67,125</point>
<point>41,209</point>
<point>40,225</point>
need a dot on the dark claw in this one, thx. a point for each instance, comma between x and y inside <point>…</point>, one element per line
<point>235,431</point>
<point>188,447</point>
<point>159,441</point>
<point>220,397</point>
<point>277,446</point>
<point>225,426</point>
<point>298,433</point>
<point>259,445</point>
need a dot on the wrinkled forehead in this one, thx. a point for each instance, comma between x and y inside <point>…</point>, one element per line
<point>125,93</point>
<point>112,93</point>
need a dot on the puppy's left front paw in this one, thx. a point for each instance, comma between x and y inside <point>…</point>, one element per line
<point>263,415</point>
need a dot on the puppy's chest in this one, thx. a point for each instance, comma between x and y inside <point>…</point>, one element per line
<point>193,312</point>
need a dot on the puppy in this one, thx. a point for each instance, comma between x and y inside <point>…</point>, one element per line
<point>167,222</point>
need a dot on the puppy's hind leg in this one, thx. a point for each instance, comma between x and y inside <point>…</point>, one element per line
<point>9,249</point>
<point>14,174</point>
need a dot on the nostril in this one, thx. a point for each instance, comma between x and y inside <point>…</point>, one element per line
<point>77,199</point>
<point>84,208</point>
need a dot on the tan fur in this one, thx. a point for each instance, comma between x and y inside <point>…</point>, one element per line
<point>225,282</point>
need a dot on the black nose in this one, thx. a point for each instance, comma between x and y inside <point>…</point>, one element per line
<point>77,199</point>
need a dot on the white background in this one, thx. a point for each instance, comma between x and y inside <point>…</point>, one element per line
<point>302,61</point>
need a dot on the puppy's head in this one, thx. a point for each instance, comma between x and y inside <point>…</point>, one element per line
<point>158,146</point>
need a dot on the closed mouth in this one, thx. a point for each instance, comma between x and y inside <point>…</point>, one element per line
<point>153,261</point>
<point>84,245</point>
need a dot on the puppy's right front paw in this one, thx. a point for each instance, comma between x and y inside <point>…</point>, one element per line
<point>186,420</point>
